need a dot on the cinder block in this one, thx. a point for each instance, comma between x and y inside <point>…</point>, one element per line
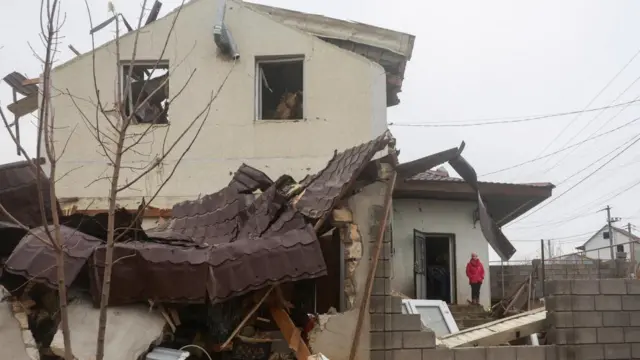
<point>396,305</point>
<point>633,287</point>
<point>631,302</point>
<point>580,352</point>
<point>587,319</point>
<point>380,322</point>
<point>634,318</point>
<point>559,303</point>
<point>558,287</point>
<point>632,334</point>
<point>613,287</point>
<point>381,286</point>
<point>610,335</point>
<point>616,318</point>
<point>530,352</point>
<point>390,340</point>
<point>419,340</point>
<point>582,303</point>
<point>405,322</point>
<point>617,351</point>
<point>383,269</point>
<point>377,355</point>
<point>585,336</point>
<point>437,354</point>
<point>407,354</point>
<point>608,303</point>
<point>635,351</point>
<point>380,304</point>
<point>561,319</point>
<point>585,287</point>
<point>501,352</point>
<point>550,352</point>
<point>470,353</point>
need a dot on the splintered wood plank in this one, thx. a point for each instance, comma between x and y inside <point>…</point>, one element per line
<point>290,332</point>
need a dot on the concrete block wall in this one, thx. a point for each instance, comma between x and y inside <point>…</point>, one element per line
<point>594,319</point>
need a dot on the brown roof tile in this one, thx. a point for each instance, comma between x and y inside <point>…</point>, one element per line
<point>323,189</point>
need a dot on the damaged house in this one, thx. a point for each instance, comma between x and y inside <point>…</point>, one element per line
<point>289,74</point>
<point>259,269</point>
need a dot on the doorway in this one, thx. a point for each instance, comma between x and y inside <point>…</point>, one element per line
<point>434,266</point>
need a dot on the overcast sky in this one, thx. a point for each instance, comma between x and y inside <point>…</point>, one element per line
<point>473,62</point>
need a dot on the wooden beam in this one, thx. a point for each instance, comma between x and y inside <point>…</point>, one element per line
<point>290,332</point>
<point>24,106</point>
<point>33,81</point>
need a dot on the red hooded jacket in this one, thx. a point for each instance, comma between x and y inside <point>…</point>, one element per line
<point>475,271</point>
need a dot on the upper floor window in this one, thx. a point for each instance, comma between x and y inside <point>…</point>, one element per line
<point>279,85</point>
<point>147,90</point>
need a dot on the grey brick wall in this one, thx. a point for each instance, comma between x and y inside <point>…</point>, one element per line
<point>594,319</point>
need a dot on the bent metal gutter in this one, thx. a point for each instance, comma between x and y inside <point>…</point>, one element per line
<point>221,34</point>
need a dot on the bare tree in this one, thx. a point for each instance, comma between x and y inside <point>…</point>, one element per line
<point>136,100</point>
<point>50,25</point>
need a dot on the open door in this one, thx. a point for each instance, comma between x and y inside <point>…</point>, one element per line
<point>420,264</point>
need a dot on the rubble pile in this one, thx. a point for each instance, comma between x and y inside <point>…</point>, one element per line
<point>230,275</point>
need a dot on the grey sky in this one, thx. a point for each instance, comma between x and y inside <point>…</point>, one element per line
<point>472,61</point>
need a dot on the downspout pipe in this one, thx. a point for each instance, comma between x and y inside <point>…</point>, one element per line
<point>221,34</point>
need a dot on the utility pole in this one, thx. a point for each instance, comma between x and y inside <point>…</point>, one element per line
<point>608,208</point>
<point>551,254</point>
<point>632,248</point>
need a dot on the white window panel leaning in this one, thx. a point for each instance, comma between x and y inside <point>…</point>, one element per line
<point>434,314</point>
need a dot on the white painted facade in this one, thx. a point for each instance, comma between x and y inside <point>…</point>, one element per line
<point>597,241</point>
<point>344,105</point>
<point>443,217</point>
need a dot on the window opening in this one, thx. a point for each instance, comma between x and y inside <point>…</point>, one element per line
<point>279,89</point>
<point>148,82</point>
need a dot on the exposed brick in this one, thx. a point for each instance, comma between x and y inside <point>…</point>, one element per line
<point>381,286</point>
<point>407,354</point>
<point>608,303</point>
<point>617,351</point>
<point>470,353</point>
<point>563,319</point>
<point>419,340</point>
<point>405,322</point>
<point>585,287</point>
<point>558,287</point>
<point>587,319</point>
<point>632,334</point>
<point>582,303</point>
<point>613,287</point>
<point>610,335</point>
<point>530,352</point>
<point>501,352</point>
<point>630,302</point>
<point>437,354</point>
<point>633,287</point>
<point>615,318</point>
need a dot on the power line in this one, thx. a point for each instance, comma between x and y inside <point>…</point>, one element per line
<point>507,121</point>
<point>590,102</point>
<point>581,181</point>
<point>560,237</point>
<point>563,149</point>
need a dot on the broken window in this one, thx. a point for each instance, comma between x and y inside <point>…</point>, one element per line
<point>146,91</point>
<point>279,84</point>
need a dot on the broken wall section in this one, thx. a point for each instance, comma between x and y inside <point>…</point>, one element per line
<point>334,334</point>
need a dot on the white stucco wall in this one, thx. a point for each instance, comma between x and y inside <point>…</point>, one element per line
<point>597,241</point>
<point>435,216</point>
<point>344,105</point>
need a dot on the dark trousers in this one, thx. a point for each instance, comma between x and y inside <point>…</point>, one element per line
<point>475,291</point>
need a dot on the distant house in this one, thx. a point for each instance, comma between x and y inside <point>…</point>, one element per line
<point>436,221</point>
<point>598,245</point>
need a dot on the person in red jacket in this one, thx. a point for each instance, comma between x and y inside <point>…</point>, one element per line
<point>475,273</point>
